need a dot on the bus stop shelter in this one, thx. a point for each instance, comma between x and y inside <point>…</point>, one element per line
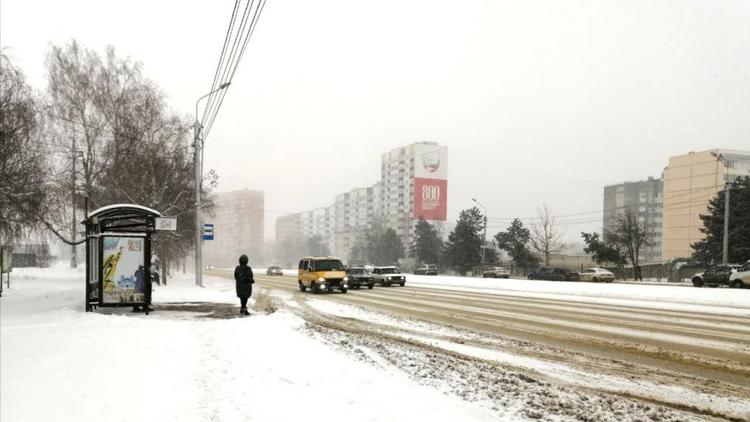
<point>118,256</point>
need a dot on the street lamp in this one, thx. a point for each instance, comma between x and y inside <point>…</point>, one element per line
<point>197,146</point>
<point>484,236</point>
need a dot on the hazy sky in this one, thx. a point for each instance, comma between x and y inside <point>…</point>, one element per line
<point>537,101</point>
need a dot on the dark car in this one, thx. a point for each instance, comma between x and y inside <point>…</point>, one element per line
<point>274,270</point>
<point>714,276</point>
<point>360,277</point>
<point>553,274</point>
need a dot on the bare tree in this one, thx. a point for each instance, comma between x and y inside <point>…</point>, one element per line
<point>631,234</point>
<point>131,147</point>
<point>545,237</point>
<point>22,158</point>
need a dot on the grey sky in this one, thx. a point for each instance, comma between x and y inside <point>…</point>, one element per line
<point>537,101</point>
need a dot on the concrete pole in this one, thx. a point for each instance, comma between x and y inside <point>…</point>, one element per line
<point>725,246</point>
<point>198,145</point>
<point>198,225</point>
<point>484,240</point>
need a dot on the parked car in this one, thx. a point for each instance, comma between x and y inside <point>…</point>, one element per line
<point>554,274</point>
<point>322,274</point>
<point>427,269</point>
<point>496,272</point>
<point>360,277</point>
<point>714,276</point>
<point>388,275</point>
<point>741,277</point>
<point>536,273</point>
<point>274,270</point>
<point>596,275</point>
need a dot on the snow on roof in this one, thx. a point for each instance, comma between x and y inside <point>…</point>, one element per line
<point>131,206</point>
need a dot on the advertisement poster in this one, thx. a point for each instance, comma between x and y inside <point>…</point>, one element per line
<point>430,199</point>
<point>122,269</point>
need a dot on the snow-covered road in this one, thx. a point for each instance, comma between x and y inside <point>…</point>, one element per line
<point>688,348</point>
<point>442,348</point>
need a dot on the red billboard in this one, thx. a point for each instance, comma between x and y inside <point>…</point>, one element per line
<point>430,198</point>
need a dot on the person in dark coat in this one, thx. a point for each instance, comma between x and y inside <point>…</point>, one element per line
<point>243,277</point>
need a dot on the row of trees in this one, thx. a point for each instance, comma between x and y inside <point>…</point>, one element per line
<point>101,133</point>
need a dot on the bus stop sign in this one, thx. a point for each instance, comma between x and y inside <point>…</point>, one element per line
<point>208,232</point>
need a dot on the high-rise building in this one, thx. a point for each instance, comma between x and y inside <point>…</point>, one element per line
<point>644,198</point>
<point>690,181</point>
<point>238,228</point>
<point>354,213</point>
<point>413,183</point>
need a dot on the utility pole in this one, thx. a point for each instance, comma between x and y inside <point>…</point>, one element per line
<point>484,235</point>
<point>198,183</point>
<point>725,245</point>
<point>727,188</point>
<point>197,147</point>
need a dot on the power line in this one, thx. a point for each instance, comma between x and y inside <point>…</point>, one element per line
<point>215,85</point>
<point>686,192</point>
<point>235,56</point>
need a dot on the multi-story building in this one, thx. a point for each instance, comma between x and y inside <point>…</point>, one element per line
<point>354,214</point>
<point>690,181</point>
<point>644,198</point>
<point>289,227</point>
<point>413,183</point>
<point>238,228</point>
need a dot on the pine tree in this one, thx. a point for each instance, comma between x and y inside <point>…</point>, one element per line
<point>710,249</point>
<point>463,249</point>
<point>515,241</point>
<point>427,245</point>
<point>389,248</point>
<point>602,252</point>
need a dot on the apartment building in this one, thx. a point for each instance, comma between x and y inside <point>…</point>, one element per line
<point>690,181</point>
<point>354,213</point>
<point>413,183</point>
<point>238,228</point>
<point>644,198</point>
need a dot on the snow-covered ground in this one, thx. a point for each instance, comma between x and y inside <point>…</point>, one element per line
<point>59,363</point>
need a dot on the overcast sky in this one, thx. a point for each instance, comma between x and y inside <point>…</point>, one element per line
<point>537,101</point>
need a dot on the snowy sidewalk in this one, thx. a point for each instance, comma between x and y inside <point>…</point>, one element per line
<point>60,363</point>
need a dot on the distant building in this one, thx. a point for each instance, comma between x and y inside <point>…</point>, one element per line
<point>289,227</point>
<point>413,183</point>
<point>571,261</point>
<point>644,198</point>
<point>354,213</point>
<point>690,181</point>
<point>238,229</point>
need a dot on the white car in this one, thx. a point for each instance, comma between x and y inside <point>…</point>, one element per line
<point>741,277</point>
<point>596,275</point>
<point>496,272</point>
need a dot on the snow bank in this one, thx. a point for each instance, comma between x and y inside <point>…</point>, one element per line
<point>720,300</point>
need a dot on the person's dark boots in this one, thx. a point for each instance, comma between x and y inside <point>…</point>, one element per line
<point>245,312</point>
